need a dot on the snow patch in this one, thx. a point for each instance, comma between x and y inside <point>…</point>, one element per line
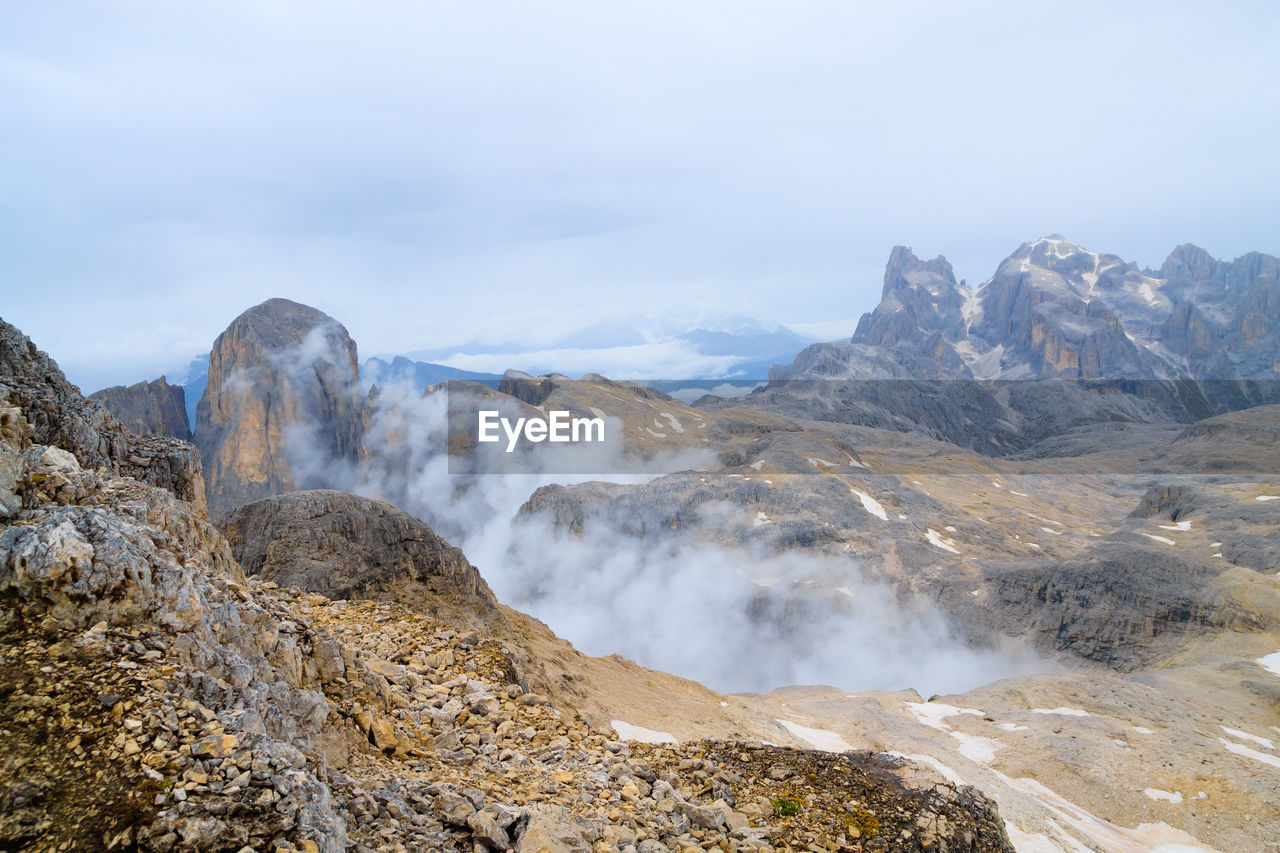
<point>1181,525</point>
<point>1062,712</point>
<point>938,541</point>
<point>1239,735</point>
<point>1241,749</point>
<point>671,419</point>
<point>871,505</point>
<point>947,773</point>
<point>1158,795</point>
<point>640,734</point>
<point>1267,498</point>
<point>1165,539</point>
<point>817,738</point>
<point>1271,663</point>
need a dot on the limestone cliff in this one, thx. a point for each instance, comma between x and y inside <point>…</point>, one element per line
<point>282,390</point>
<point>148,408</point>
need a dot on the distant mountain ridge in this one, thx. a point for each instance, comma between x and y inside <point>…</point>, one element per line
<point>1054,309</point>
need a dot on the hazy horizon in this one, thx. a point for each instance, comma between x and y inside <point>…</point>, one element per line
<point>438,175</point>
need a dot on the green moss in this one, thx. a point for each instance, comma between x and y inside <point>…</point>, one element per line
<point>785,807</point>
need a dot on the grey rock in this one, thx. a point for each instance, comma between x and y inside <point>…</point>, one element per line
<point>343,545</point>
<point>148,408</point>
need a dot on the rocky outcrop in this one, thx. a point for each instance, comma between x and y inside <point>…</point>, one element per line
<point>1122,606</point>
<point>282,393</point>
<point>148,408</point>
<point>345,546</point>
<point>58,415</point>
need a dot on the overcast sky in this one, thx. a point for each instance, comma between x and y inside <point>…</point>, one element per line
<point>434,173</point>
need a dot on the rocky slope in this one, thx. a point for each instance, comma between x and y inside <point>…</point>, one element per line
<point>283,378</point>
<point>154,698</point>
<point>148,408</point>
<point>59,416</point>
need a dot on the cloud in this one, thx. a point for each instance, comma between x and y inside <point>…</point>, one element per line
<point>428,172</point>
<point>735,618</point>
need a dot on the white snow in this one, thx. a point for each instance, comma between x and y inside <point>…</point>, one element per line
<point>1051,530</point>
<point>757,465</point>
<point>816,462</point>
<point>946,772</point>
<point>871,505</point>
<point>1260,741</point>
<point>1271,663</point>
<point>1143,730</point>
<point>817,738</point>
<point>1019,494</point>
<point>979,750</point>
<point>1181,525</point>
<point>945,544</point>
<point>1062,712</point>
<point>640,734</point>
<point>761,518</point>
<point>1241,749</point>
<point>1165,539</point>
<point>1102,834</point>
<point>1013,727</point>
<point>671,419</point>
<point>1267,498</point>
<point>1158,795</point>
<point>933,713</point>
<point>655,434</point>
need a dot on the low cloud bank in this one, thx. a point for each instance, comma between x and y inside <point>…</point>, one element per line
<point>735,619</point>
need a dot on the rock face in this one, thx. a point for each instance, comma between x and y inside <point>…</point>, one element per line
<point>59,416</point>
<point>148,408</point>
<point>282,391</point>
<point>1056,310</point>
<point>344,546</point>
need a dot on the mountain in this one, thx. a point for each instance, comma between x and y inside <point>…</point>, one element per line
<point>156,696</point>
<point>1053,309</point>
<point>148,408</point>
<point>418,374</point>
<point>283,379</point>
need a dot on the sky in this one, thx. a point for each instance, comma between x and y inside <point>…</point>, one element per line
<point>437,173</point>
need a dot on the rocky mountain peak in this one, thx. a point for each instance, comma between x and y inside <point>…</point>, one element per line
<point>148,408</point>
<point>1189,262</point>
<point>283,378</point>
<point>904,270</point>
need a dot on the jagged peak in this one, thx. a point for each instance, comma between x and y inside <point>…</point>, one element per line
<point>904,268</point>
